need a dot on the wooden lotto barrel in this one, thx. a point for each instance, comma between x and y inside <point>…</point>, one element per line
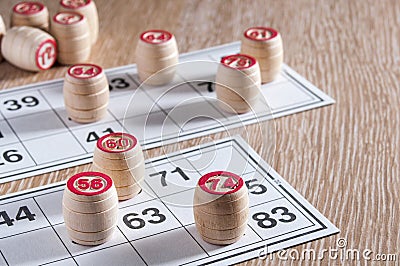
<point>156,50</point>
<point>120,156</point>
<point>30,13</point>
<point>29,48</point>
<point>238,83</point>
<point>86,93</point>
<point>71,31</point>
<point>88,9</point>
<point>221,207</point>
<point>265,44</point>
<point>90,208</point>
<point>2,32</point>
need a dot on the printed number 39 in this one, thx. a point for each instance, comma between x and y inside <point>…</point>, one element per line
<point>28,101</point>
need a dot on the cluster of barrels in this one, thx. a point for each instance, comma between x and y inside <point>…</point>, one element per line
<point>90,200</point>
<point>239,76</point>
<point>35,43</point>
<point>33,14</point>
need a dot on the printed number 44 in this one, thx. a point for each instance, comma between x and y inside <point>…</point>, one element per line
<point>23,213</point>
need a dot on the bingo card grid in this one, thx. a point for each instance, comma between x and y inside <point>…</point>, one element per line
<point>36,135</point>
<point>44,241</point>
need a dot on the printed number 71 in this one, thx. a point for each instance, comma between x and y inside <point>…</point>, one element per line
<point>164,175</point>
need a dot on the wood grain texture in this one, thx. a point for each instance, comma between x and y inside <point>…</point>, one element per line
<point>343,158</point>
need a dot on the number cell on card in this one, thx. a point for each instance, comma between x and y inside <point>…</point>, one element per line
<point>120,84</point>
<point>35,247</point>
<point>276,218</point>
<point>51,205</point>
<point>260,188</point>
<point>53,144</point>
<point>19,217</point>
<point>7,135</point>
<point>88,136</point>
<point>14,157</point>
<point>226,157</point>
<point>168,178</point>
<point>45,123</point>
<point>138,104</point>
<point>183,250</point>
<point>77,249</point>
<point>19,104</point>
<point>146,219</point>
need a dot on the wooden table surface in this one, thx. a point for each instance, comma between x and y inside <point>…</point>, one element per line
<point>343,158</point>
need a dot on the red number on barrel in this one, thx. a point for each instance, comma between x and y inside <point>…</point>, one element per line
<point>95,184</point>
<point>229,183</point>
<point>79,71</point>
<point>28,8</point>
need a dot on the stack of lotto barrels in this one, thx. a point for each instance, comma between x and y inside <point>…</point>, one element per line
<point>90,208</point>
<point>156,50</point>
<point>238,83</point>
<point>86,93</point>
<point>2,32</point>
<point>120,156</point>
<point>73,37</point>
<point>265,44</point>
<point>29,48</point>
<point>32,14</point>
<point>221,207</point>
<point>88,9</point>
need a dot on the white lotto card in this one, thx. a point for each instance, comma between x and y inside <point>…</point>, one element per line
<point>36,135</point>
<point>157,226</point>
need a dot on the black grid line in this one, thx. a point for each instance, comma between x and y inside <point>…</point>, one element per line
<point>159,106</point>
<point>130,243</point>
<point>50,262</point>
<point>40,208</point>
<point>19,139</point>
<point>4,258</point>
<point>187,231</point>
